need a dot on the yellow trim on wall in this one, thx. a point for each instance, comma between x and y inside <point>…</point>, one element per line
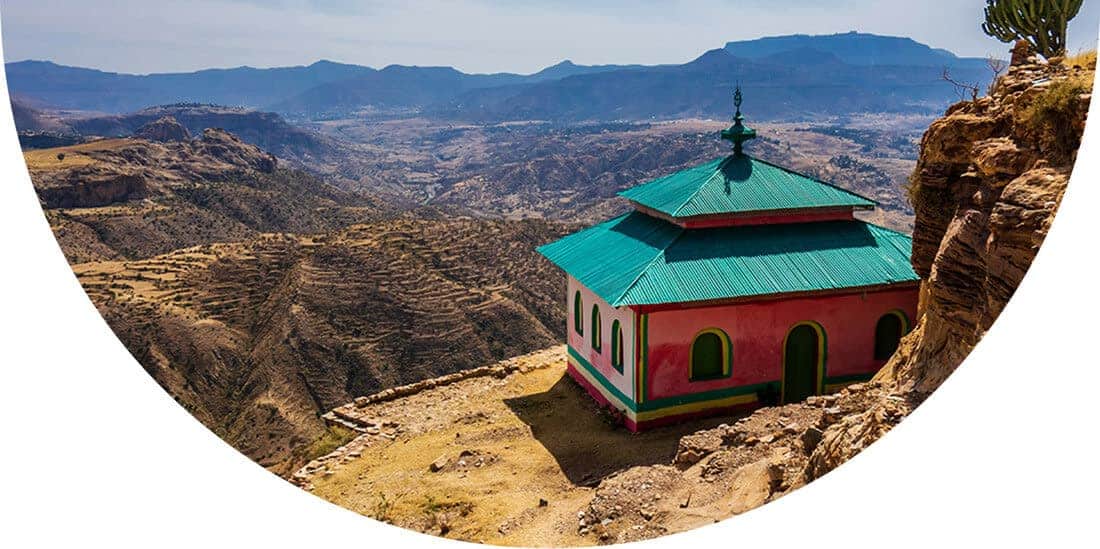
<point>821,350</point>
<point>904,318</point>
<point>651,415</point>
<point>696,407</point>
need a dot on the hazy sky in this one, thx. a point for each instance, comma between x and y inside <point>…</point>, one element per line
<point>472,35</point>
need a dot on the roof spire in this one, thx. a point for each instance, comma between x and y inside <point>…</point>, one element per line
<point>738,133</point>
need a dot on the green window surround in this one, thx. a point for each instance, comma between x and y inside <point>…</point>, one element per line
<point>578,314</point>
<point>617,346</point>
<point>711,355</point>
<point>597,335</point>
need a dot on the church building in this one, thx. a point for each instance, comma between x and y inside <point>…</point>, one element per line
<point>730,285</point>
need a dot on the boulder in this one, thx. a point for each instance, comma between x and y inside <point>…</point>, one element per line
<point>753,484</point>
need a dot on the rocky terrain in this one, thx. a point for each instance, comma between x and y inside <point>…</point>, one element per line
<point>266,130</point>
<point>135,198</point>
<point>573,172</point>
<point>258,338</point>
<point>986,187</point>
<point>530,170</point>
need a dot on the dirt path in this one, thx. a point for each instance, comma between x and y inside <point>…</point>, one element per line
<point>506,461</point>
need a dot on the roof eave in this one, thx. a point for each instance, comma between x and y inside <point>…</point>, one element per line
<point>738,300</point>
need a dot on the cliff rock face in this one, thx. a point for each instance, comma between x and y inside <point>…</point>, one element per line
<point>164,129</point>
<point>989,179</point>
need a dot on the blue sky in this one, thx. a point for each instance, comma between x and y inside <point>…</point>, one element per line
<point>473,35</point>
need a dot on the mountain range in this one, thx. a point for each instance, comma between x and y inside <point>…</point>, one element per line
<point>795,76</point>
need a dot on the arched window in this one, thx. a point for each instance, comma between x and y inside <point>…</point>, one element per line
<point>710,355</point>
<point>888,332</point>
<point>597,333</point>
<point>617,346</point>
<point>578,314</point>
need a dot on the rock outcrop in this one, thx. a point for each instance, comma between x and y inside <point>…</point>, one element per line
<point>163,129</point>
<point>988,182</point>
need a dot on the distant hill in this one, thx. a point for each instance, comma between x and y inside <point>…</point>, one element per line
<point>296,89</point>
<point>94,90</point>
<point>796,84</point>
<point>854,48</point>
<point>788,76</point>
<point>266,130</point>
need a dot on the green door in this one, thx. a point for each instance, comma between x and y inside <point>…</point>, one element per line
<point>800,364</point>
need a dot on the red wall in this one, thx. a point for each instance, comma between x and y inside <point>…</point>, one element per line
<point>757,332</point>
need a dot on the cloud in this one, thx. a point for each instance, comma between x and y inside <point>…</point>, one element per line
<point>472,35</point>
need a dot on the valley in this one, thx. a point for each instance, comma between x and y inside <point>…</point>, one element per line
<point>268,266</point>
<point>262,292</point>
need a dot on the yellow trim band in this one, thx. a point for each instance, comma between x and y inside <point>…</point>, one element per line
<point>696,407</point>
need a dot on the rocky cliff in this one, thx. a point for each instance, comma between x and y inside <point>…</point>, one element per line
<point>988,182</point>
<point>136,198</point>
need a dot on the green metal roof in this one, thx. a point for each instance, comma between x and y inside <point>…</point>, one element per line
<point>636,259</point>
<point>739,183</point>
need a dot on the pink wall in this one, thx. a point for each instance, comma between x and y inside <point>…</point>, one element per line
<point>583,343</point>
<point>757,332</point>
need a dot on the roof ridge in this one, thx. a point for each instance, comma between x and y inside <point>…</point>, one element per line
<point>660,254</point>
<point>812,178</point>
<point>699,189</point>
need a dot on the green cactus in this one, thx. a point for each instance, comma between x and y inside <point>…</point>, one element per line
<point>1042,23</point>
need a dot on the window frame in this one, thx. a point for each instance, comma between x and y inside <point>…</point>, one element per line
<point>597,329</point>
<point>727,355</point>
<point>618,355</point>
<point>578,313</point>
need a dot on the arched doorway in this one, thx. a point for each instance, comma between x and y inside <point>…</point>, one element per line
<point>888,333</point>
<point>803,362</point>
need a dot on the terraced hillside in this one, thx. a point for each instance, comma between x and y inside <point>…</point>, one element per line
<point>132,198</point>
<point>258,338</point>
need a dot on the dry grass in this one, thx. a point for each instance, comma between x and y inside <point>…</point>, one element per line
<point>1053,113</point>
<point>1084,59</point>
<point>75,155</point>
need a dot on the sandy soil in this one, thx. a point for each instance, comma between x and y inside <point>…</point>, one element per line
<point>503,461</point>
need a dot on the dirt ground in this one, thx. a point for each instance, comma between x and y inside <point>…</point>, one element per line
<point>503,461</point>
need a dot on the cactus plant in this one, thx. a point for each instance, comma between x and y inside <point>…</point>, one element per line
<point>1042,23</point>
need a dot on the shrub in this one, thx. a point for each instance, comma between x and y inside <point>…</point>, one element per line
<point>1055,116</point>
<point>333,438</point>
<point>1086,59</point>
